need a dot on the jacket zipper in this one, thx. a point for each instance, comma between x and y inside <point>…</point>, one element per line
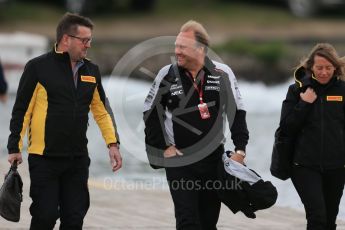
<point>322,133</point>
<point>74,92</point>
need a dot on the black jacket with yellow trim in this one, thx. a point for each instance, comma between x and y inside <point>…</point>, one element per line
<point>319,127</point>
<point>54,111</point>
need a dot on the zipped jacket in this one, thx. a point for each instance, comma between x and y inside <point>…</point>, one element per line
<point>172,115</point>
<point>54,111</point>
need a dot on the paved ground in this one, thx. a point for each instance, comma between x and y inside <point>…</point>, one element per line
<point>123,207</point>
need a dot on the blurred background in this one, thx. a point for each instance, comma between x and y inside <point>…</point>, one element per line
<point>261,40</point>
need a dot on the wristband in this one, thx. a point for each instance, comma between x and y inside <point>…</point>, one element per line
<point>113,145</point>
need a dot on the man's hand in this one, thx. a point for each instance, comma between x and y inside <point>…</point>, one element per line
<point>172,151</point>
<point>237,157</point>
<point>115,158</point>
<point>15,156</point>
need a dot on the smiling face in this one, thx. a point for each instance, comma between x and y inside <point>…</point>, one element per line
<point>188,53</point>
<point>323,69</point>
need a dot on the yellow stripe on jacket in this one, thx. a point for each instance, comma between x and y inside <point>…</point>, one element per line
<point>103,118</point>
<point>38,122</point>
<point>27,118</point>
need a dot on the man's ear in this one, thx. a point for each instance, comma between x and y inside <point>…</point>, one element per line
<point>201,49</point>
<point>65,39</point>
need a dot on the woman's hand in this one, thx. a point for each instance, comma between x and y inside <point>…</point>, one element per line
<point>309,95</point>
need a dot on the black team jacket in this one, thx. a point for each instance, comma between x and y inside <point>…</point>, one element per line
<point>54,111</point>
<point>172,116</point>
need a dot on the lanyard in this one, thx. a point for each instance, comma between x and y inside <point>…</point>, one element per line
<point>195,85</point>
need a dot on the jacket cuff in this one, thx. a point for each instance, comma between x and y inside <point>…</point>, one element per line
<point>117,144</point>
<point>10,151</point>
<point>240,147</point>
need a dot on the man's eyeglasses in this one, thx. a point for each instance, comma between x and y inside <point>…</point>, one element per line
<point>83,40</point>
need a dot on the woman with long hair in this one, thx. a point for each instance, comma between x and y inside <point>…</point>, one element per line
<point>313,114</point>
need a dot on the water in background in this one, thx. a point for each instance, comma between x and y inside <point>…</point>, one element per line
<point>126,98</point>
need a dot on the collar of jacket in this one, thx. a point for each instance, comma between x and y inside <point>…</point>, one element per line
<point>304,79</point>
<point>321,88</point>
<point>60,55</point>
<point>64,56</point>
<point>209,67</point>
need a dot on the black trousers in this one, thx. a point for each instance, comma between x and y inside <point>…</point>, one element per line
<point>58,190</point>
<point>197,205</point>
<point>320,192</point>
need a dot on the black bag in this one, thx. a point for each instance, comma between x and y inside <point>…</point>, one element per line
<point>239,195</point>
<point>282,156</point>
<point>11,195</point>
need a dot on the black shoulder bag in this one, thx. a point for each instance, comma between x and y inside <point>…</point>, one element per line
<point>11,195</point>
<point>282,155</point>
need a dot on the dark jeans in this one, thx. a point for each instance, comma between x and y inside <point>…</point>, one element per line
<point>197,205</point>
<point>320,192</point>
<point>58,190</point>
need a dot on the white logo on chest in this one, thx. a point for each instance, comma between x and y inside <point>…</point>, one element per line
<point>214,77</point>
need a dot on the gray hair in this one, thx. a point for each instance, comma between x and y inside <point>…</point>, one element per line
<point>200,33</point>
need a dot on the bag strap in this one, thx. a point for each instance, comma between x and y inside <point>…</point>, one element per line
<point>13,168</point>
<point>14,165</point>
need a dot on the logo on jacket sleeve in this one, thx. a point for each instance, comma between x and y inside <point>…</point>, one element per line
<point>90,79</point>
<point>334,98</point>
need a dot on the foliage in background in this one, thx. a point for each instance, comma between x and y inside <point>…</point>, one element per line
<point>240,20</point>
<point>267,52</point>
